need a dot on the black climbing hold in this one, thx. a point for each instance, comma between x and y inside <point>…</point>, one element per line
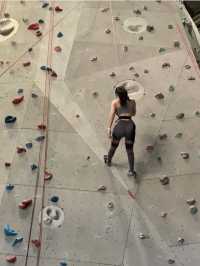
<point>54,199</point>
<point>40,21</point>
<point>34,95</point>
<point>60,34</point>
<point>10,119</point>
<point>33,167</point>
<point>19,91</point>
<point>40,138</point>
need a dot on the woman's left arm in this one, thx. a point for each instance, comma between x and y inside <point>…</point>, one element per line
<point>111,118</point>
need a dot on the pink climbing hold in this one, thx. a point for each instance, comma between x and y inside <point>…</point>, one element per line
<point>58,49</point>
<point>18,100</point>
<point>33,26</point>
<point>48,176</point>
<point>11,259</point>
<point>25,203</point>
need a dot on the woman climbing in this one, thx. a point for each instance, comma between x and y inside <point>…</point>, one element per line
<point>124,108</point>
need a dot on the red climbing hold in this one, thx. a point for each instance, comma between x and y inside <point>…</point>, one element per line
<point>25,203</point>
<point>58,9</point>
<point>33,26</point>
<point>48,176</point>
<point>41,127</point>
<point>36,243</point>
<point>21,150</point>
<point>18,100</point>
<point>11,259</point>
<point>58,49</point>
<point>26,64</point>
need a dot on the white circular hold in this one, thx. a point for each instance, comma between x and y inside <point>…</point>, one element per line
<point>135,25</point>
<point>8,27</point>
<point>52,216</point>
<point>134,88</point>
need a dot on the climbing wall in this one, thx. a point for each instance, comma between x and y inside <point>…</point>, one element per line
<point>59,203</point>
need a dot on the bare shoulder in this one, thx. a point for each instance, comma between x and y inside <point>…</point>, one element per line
<point>114,102</point>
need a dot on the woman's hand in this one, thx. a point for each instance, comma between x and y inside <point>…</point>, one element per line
<point>109,133</point>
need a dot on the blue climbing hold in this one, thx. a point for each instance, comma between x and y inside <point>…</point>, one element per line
<point>33,167</point>
<point>54,199</point>
<point>60,34</point>
<point>17,240</point>
<point>43,68</point>
<point>10,119</point>
<point>9,187</point>
<point>8,231</point>
<point>40,138</point>
<point>29,145</point>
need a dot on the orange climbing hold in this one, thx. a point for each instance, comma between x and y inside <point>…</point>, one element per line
<point>18,100</point>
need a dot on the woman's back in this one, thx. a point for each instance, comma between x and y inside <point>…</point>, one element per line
<point>127,109</point>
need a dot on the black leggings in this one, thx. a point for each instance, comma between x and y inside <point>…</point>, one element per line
<point>123,128</point>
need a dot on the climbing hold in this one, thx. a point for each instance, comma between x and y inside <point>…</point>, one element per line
<point>25,203</point>
<point>18,100</point>
<point>33,95</point>
<point>6,15</point>
<point>161,50</point>
<point>193,209</point>
<point>41,127</point>
<point>164,180</point>
<point>107,31</point>
<point>152,115</point>
<point>54,199</point>
<point>191,201</point>
<point>63,264</point>
<point>10,119</point>
<point>102,188</point>
<point>150,28</point>
<point>8,231</point>
<point>36,243</point>
<point>112,74</point>
<point>45,5</point>
<point>26,64</point>
<point>163,214</point>
<point>159,96</point>
<point>29,145</point>
<point>131,68</point>
<point>116,18</point>
<point>171,88</point>
<point>149,148</point>
<point>93,59</point>
<point>105,9</point>
<point>136,75</point>
<point>21,150</point>
<point>88,158</point>
<point>197,113</point>
<point>58,9</point>
<point>185,155</point>
<point>137,12</point>
<point>40,138</point>
<point>171,261</point>
<point>180,240</point>
<point>17,240</point>
<point>22,2</point>
<point>48,176</point>
<point>176,44</point>
<point>187,66</point>
<point>142,236</point>
<point>25,20</point>
<point>41,21</point>
<point>13,43</point>
<point>43,68</point>
<point>146,71</point>
<point>34,26</point>
<point>95,94</point>
<point>60,34</point>
<point>170,27</point>
<point>162,136</point>
<point>191,78</point>
<point>50,8</point>
<point>179,135</point>
<point>110,205</point>
<point>7,164</point>
<point>9,187</point>
<point>145,8</point>
<point>54,75</point>
<point>11,259</point>
<point>33,167</point>
<point>165,65</point>
<point>159,158</point>
<point>19,91</point>
<point>140,38</point>
<point>180,116</point>
<point>58,49</point>
<point>38,33</point>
